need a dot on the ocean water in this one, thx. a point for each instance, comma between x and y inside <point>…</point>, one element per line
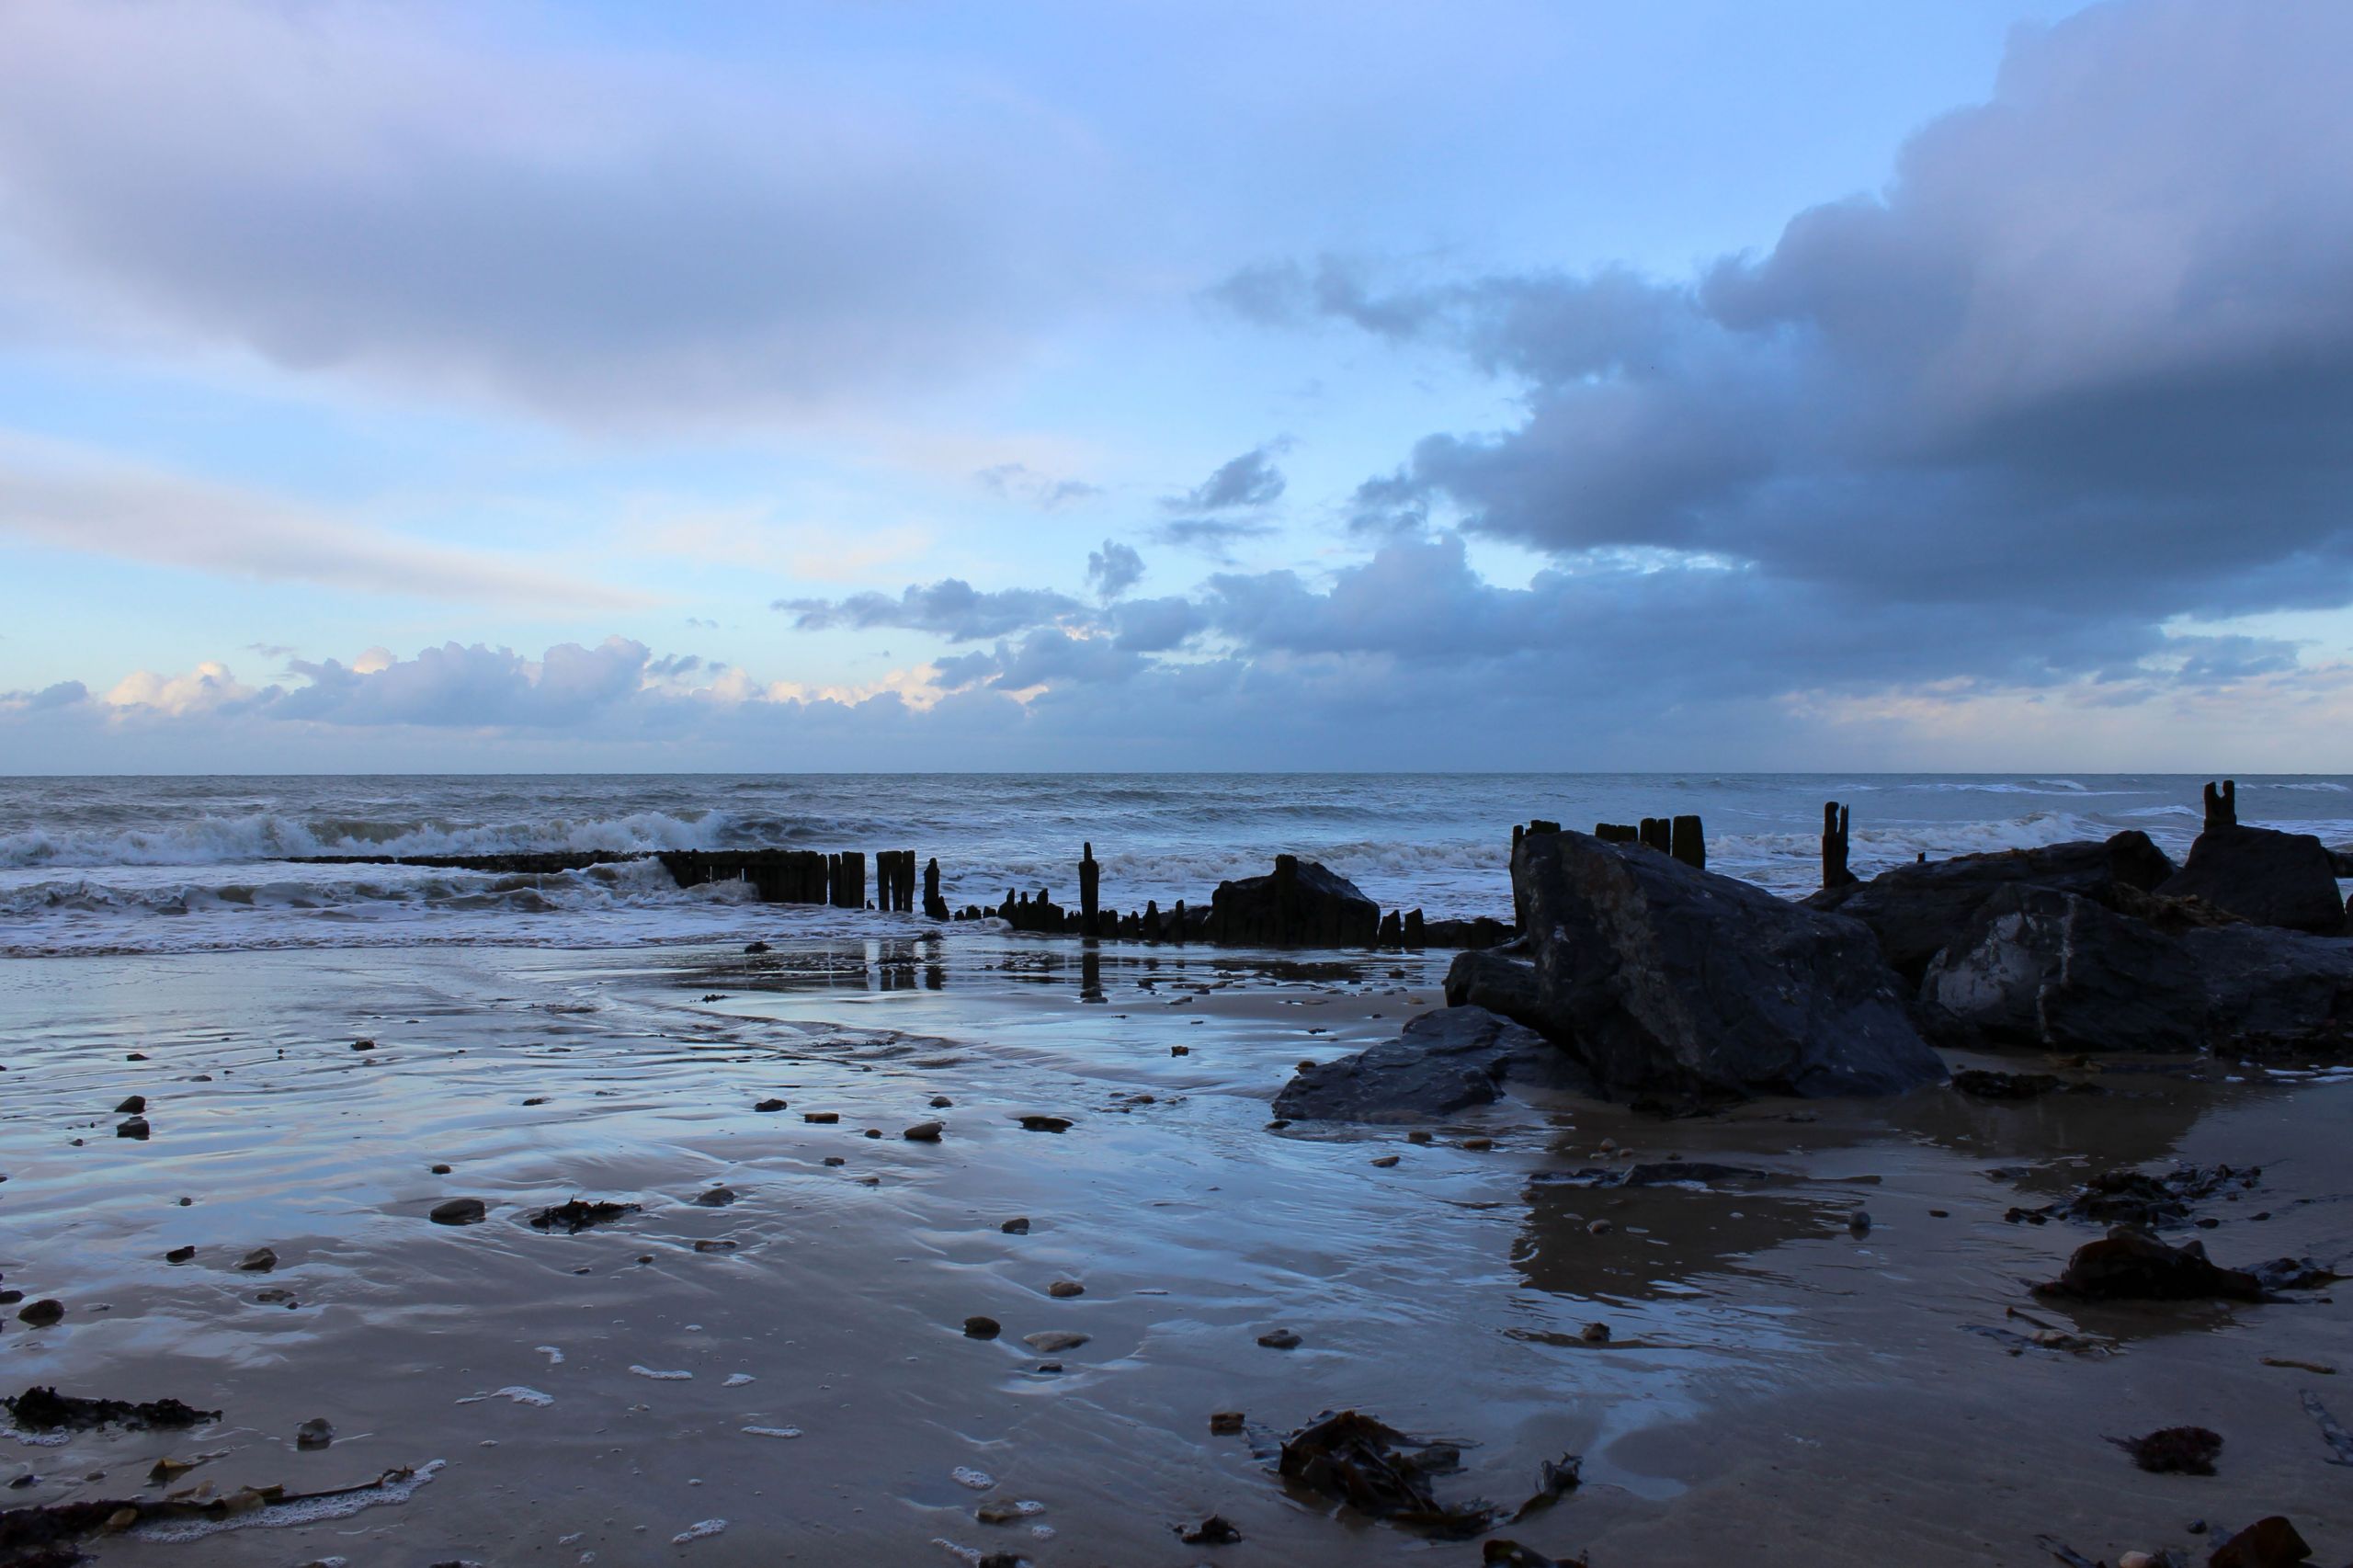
<point>165,864</point>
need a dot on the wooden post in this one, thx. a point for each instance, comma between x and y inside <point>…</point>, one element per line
<point>1616,833</point>
<point>2222,805</point>
<point>933,905</point>
<point>1835,873</point>
<point>1690,843</point>
<point>1090,880</point>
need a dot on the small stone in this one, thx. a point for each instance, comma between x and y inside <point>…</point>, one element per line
<point>363,1045</point>
<point>261,1260</point>
<point>441,1170</point>
<point>1215,1530</point>
<point>834,1160</point>
<point>136,1056</point>
<point>1860,1222</point>
<point>1279,1339</point>
<point>821,1118</point>
<point>136,1128</point>
<point>1938,1214</point>
<point>2136,1559</point>
<point>41,1313</point>
<point>1384,1162</point>
<point>1478,1143</point>
<point>980,1327</point>
<point>874,1132</point>
<point>1054,1339</point>
<point>1063,1290</point>
<point>1044,1124</point>
<point>1180,1051</point>
<point>998,1511</point>
<point>460,1211</point>
<point>715,1246</point>
<point>940,1102</point>
<point>925,1133</point>
<point>1419,1135</point>
<point>1599,1228</point>
<point>1278,1124</point>
<point>775,1105</point>
<point>275,1296</point>
<point>1016,1226</point>
<point>1595,1334</point>
<point>715,1197</point>
<point>755,947</point>
<point>537,1100</point>
<point>313,1434</point>
<point>135,1105</point>
<point>180,1254</point>
<point>1225,1422</point>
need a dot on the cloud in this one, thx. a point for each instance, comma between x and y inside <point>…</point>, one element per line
<point>1250,479</point>
<point>65,498</point>
<point>2082,368</point>
<point>1018,481</point>
<point>950,607</point>
<point>1209,535</point>
<point>449,199</point>
<point>1113,570</point>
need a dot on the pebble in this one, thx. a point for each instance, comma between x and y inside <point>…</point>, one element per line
<point>136,1056</point>
<point>1860,1222</point>
<point>135,1128</point>
<point>940,1102</point>
<point>1225,1422</point>
<point>2136,1559</point>
<point>1050,1340</point>
<point>1279,1339</point>
<point>1044,1124</point>
<point>180,1254</point>
<point>1419,1135</point>
<point>775,1105</point>
<point>980,1327</point>
<point>1016,1226</point>
<point>1063,1290</point>
<point>1599,1228</point>
<point>460,1211</point>
<point>715,1246</point>
<point>821,1118</point>
<point>315,1432</point>
<point>261,1260</point>
<point>715,1197</point>
<point>834,1160</point>
<point>925,1133</point>
<point>1595,1334</point>
<point>41,1313</point>
<point>1180,1051</point>
<point>1478,1143</point>
<point>276,1295</point>
<point>874,1132</point>
<point>441,1170</point>
<point>363,1045</point>
<point>135,1105</point>
<point>1385,1161</point>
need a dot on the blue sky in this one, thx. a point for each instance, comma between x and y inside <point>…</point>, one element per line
<point>1575,385</point>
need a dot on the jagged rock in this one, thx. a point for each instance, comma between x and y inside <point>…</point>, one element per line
<point>1445,1060</point>
<point>1665,980</point>
<point>2130,1265</point>
<point>2040,967</point>
<point>2269,988</point>
<point>2258,874</point>
<point>1916,909</point>
<point>1299,904</point>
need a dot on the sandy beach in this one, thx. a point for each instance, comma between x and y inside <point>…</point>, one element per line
<point>1777,1385</point>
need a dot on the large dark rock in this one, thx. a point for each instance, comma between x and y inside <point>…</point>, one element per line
<point>1666,980</point>
<point>2270,990</point>
<point>1446,1061</point>
<point>1299,904</point>
<point>2260,874</point>
<point>2040,967</point>
<point>1916,909</point>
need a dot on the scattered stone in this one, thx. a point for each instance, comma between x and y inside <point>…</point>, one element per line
<point>1599,1228</point>
<point>715,1246</point>
<point>1016,1226</point>
<point>834,1160</point>
<point>2132,1265</point>
<point>1225,1422</point>
<point>2129,1196</point>
<point>776,1104</point>
<point>1595,1334</point>
<point>460,1211</point>
<point>573,1215</point>
<point>441,1170</point>
<point>261,1260</point>
<point>1054,1339</point>
<point>363,1045</point>
<point>1044,1124</point>
<point>1180,1051</point>
<point>980,1327</point>
<point>1445,1060</point>
<point>2321,1368</point>
<point>1215,1530</point>
<point>2182,1450</point>
<point>1279,1339</point>
<point>276,1295</point>
<point>2267,1543</point>
<point>315,1432</point>
<point>135,1105</point>
<point>873,1132</point>
<point>715,1197</point>
<point>1477,1145</point>
<point>1379,1471</point>
<point>1382,1162</point>
<point>1005,1511</point>
<point>940,1102</point>
<point>821,1118</point>
<point>180,1254</point>
<point>755,947</point>
<point>925,1133</point>
<point>135,1128</point>
<point>46,1410</point>
<point>1063,1290</point>
<point>1860,1222</point>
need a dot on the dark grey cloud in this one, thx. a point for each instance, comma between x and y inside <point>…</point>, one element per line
<point>602,238</point>
<point>1020,482</point>
<point>950,607</point>
<point>2082,368</point>
<point>1212,535</point>
<point>1250,479</point>
<point>1113,570</point>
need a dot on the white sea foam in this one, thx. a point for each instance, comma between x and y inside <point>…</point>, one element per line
<point>308,1511</point>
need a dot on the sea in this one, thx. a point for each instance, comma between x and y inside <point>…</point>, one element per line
<point>138,865</point>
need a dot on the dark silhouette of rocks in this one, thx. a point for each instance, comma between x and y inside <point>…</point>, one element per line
<point>1445,1060</point>
<point>2264,876</point>
<point>1299,904</point>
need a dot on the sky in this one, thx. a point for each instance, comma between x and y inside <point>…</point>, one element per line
<point>1963,384</point>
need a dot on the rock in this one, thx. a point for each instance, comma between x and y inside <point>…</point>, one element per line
<point>1226,1422</point>
<point>135,1105</point>
<point>1501,980</point>
<point>1378,1470</point>
<point>2267,1543</point>
<point>1983,1084</point>
<point>1044,1124</point>
<point>460,1211</point>
<point>821,1118</point>
<point>2042,968</point>
<point>261,1260</point>
<point>979,1327</point>
<point>315,1432</point>
<point>1299,904</point>
<point>1595,1334</point>
<point>135,1128</point>
<point>2264,876</point>
<point>1382,1162</point>
<point>1860,1222</point>
<point>1215,1530</point>
<point>834,1160</point>
<point>940,1102</point>
<point>2185,1451</point>
<point>752,948</point>
<point>1663,980</point>
<point>714,1197</point>
<point>1063,1290</point>
<point>1915,910</point>
<point>276,1297</point>
<point>925,1133</point>
<point>1049,1341</point>
<point>43,1313</point>
<point>2269,989</point>
<point>441,1170</point>
<point>768,1106</point>
<point>46,1410</point>
<point>363,1045</point>
<point>1016,1226</point>
<point>180,1254</point>
<point>2130,1265</point>
<point>1279,1339</point>
<point>1445,1060</point>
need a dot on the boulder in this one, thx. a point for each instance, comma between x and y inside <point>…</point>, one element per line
<point>1663,979</point>
<point>2264,876</point>
<point>2268,990</point>
<point>1916,909</point>
<point>1299,904</point>
<point>1446,1061</point>
<point>2051,969</point>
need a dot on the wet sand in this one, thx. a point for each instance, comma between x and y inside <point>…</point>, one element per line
<point>1776,1389</point>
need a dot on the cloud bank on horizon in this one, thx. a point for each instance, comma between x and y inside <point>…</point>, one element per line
<point>873,417</point>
